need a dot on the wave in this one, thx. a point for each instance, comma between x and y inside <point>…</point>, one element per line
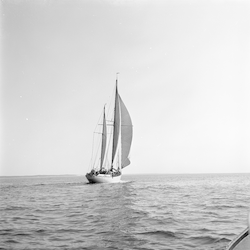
<point>12,208</point>
<point>208,239</point>
<point>127,181</point>
<point>11,241</point>
<point>168,234</point>
<point>22,234</point>
<point>61,213</point>
<point>6,231</point>
<point>40,231</point>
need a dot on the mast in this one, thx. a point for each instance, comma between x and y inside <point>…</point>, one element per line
<point>116,123</point>
<point>104,139</point>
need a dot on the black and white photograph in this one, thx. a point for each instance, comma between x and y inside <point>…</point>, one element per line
<point>125,124</point>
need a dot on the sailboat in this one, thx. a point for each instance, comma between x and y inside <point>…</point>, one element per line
<point>242,241</point>
<point>108,168</point>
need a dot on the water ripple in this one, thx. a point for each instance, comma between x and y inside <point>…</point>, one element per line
<point>144,212</point>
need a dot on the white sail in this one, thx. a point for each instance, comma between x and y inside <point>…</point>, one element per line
<point>126,134</point>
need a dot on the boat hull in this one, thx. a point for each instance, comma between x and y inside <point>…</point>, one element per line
<point>242,242</point>
<point>103,178</point>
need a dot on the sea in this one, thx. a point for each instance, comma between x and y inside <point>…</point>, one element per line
<point>158,212</point>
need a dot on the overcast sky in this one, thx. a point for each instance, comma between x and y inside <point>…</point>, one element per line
<point>184,77</point>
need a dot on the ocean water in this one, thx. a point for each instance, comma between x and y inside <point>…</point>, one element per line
<point>143,212</point>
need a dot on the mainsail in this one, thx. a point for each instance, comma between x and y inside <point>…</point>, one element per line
<point>126,134</point>
<point>122,129</point>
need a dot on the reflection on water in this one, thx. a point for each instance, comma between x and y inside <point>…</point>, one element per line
<point>115,216</point>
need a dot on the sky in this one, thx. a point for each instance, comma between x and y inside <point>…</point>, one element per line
<point>184,77</point>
